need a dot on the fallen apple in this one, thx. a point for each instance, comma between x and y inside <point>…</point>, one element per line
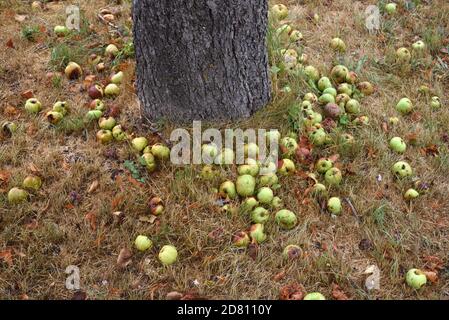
<point>112,90</point>
<point>168,255</point>
<point>9,128</point>
<point>279,11</point>
<point>419,47</point>
<point>226,157</point>
<point>415,278</point>
<point>398,145</point>
<point>324,83</point>
<point>61,31</point>
<point>361,120</point>
<point>351,77</point>
<point>265,195</point>
<point>339,73</point>
<point>314,296</point>
<point>326,98</point>
<point>249,204</point>
<point>117,78</point>
<point>404,106</point>
<point>156,206</point>
<point>97,104</point>
<point>33,106</point>
<point>54,117</point>
<point>160,151</point>
<point>251,169</point>
<point>143,243</point>
<point>241,239</point>
<point>273,136</point>
<point>347,139</point>
<point>311,97</point>
<point>228,189</point>
<point>332,110</point>
<point>393,120</point>
<point>366,88</point>
<point>93,115</point>
<point>17,195</point>
<point>411,194</point>
<point>245,185</point>
<point>256,233</point>
<point>251,150</point>
<point>107,123</point>
<point>341,99</point>
<point>334,205</point>
<point>139,143</point>
<point>344,88</point>
<point>312,73</point>
<point>147,159</point>
<point>104,136</point>
<point>277,203</point>
<point>209,152</point>
<point>287,167</point>
<point>118,133</point>
<point>111,50</point>
<point>286,219</point>
<point>323,165</point>
<point>260,215</point>
<point>330,90</point>
<point>337,44</point>
<point>268,180</point>
<point>319,189</point>
<point>333,176</point>
<point>288,146</point>
<point>73,71</point>
<point>403,56</point>
<point>208,172</point>
<point>292,252</point>
<point>402,169</point>
<point>435,102</point>
<point>295,35</point>
<point>352,106</point>
<point>62,107</point>
<point>95,91</point>
<point>318,137</point>
<point>390,8</point>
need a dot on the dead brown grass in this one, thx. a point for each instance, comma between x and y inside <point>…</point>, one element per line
<point>52,231</point>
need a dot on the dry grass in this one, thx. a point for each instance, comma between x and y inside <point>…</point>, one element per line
<point>51,231</point>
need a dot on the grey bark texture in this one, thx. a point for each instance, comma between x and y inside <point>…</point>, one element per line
<point>201,59</point>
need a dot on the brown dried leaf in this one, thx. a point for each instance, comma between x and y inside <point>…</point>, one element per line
<point>431,276</point>
<point>279,276</point>
<point>20,17</point>
<point>7,256</point>
<point>124,258</point>
<point>91,218</point>
<point>253,250</point>
<point>292,291</point>
<point>338,293</point>
<point>28,94</point>
<point>94,186</point>
<point>174,295</point>
<point>10,44</point>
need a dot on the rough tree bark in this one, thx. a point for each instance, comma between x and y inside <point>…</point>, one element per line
<point>201,59</point>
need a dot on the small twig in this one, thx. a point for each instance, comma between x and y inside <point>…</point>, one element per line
<point>354,211</point>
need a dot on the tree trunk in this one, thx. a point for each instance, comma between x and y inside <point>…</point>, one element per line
<point>201,59</point>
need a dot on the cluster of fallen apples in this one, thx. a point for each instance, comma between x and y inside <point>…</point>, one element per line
<point>338,96</point>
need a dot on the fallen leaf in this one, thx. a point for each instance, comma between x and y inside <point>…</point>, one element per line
<point>10,111</point>
<point>10,44</point>
<point>434,263</point>
<point>293,291</point>
<point>28,94</point>
<point>337,292</point>
<point>174,295</point>
<point>430,150</point>
<point>216,234</point>
<point>431,276</point>
<point>7,256</point>
<point>20,17</point>
<point>79,295</point>
<point>124,258</point>
<point>253,250</point>
<point>94,186</point>
<point>279,276</point>
<point>149,219</point>
<point>4,177</point>
<point>92,219</point>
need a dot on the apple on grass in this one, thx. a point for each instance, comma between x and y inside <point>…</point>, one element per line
<point>93,115</point>
<point>279,11</point>
<point>160,151</point>
<point>398,145</point>
<point>390,8</point>
<point>228,189</point>
<point>314,296</point>
<point>287,167</point>
<point>251,169</point>
<point>337,44</point>
<point>323,165</point>
<point>251,150</point>
<point>435,102</point>
<point>402,169</point>
<point>95,91</point>
<point>117,78</point>
<point>73,71</point>
<point>241,239</point>
<point>104,136</point>
<point>111,50</point>
<point>419,47</point>
<point>32,183</point>
<point>344,88</point>
<point>352,106</point>
<point>249,204</point>
<point>245,185</point>
<point>256,232</point>
<point>292,252</point>
<point>61,31</point>
<point>411,194</point>
<point>143,243</point>
<point>334,205</point>
<point>54,117</point>
<point>404,106</point>
<point>310,97</point>
<point>286,219</point>
<point>366,88</point>
<point>97,104</point>
<point>339,73</point>
<point>107,123</point>
<point>260,215</point>
<point>403,56</point>
<point>17,195</point>
<point>288,146</point>
<point>139,143</point>
<point>333,176</point>
<point>33,106</point>
<point>318,137</point>
<point>9,128</point>
<point>209,152</point>
<point>208,172</point>
<point>324,83</point>
<point>118,133</point>
<point>312,73</point>
<point>62,107</point>
<point>277,203</point>
<point>168,255</point>
<point>112,90</point>
<point>415,278</point>
<point>156,206</point>
<point>147,159</point>
<point>265,195</point>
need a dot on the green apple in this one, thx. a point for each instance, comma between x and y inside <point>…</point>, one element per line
<point>9,128</point>
<point>403,56</point>
<point>404,106</point>
<point>419,47</point>
<point>337,44</point>
<point>32,183</point>
<point>287,167</point>
<point>318,137</point>
<point>286,219</point>
<point>366,88</point>
<point>111,50</point>
<point>393,120</point>
<point>311,97</point>
<point>97,104</point>
<point>347,140</point>
<point>139,143</point>
<point>324,83</point>
<point>277,203</point>
<point>326,98</point>
<point>148,160</point>
<point>251,150</point>
<point>241,239</point>
<point>93,115</point>
<point>54,117</point>
<point>288,146</point>
<point>209,152</point>
<point>118,133</point>
<point>107,123</point>
<point>265,195</point>
<point>398,145</point>
<point>390,8</point>
<point>402,169</point>
<point>331,90</point>
<point>323,165</point>
<point>268,180</point>
<point>61,31</point>
<point>279,11</point>
<point>112,90</point>
<point>435,102</point>
<point>62,107</point>
<point>251,169</point>
<point>104,136</point>
<point>351,77</point>
<point>314,296</point>
<point>249,204</point>
<point>228,189</point>
<point>117,78</point>
<point>208,172</point>
<point>160,151</point>
<point>73,71</point>
<point>415,278</point>
<point>143,243</point>
<point>423,89</point>
<point>273,135</point>
<point>339,73</point>
<point>333,176</point>
<point>312,119</point>
<point>245,185</point>
<point>229,209</point>
<point>283,32</point>
<point>411,194</point>
<point>260,215</point>
<point>292,252</point>
<point>334,205</point>
<point>33,106</point>
<point>17,195</point>
<point>319,189</point>
<point>168,255</point>
<point>345,88</point>
<point>341,99</point>
<point>312,73</point>
<point>295,35</point>
<point>256,233</point>
<point>352,106</point>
